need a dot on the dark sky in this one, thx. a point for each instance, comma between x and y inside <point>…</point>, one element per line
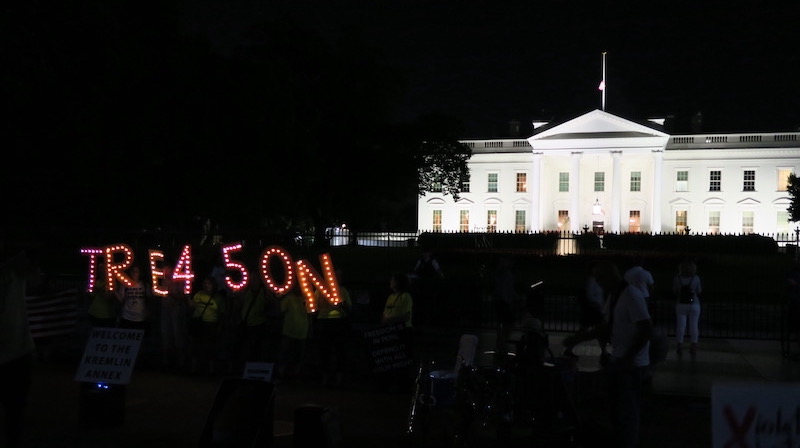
<point>738,65</point>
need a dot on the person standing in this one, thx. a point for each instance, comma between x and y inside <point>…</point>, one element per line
<point>133,299</point>
<point>628,328</point>
<point>207,305</point>
<point>332,334</point>
<point>641,278</point>
<point>294,335</point>
<point>103,306</point>
<point>591,304</point>
<point>262,317</point>
<point>687,288</point>
<point>175,309</point>
<point>16,346</point>
<point>428,291</point>
<point>504,299</point>
<point>399,309</point>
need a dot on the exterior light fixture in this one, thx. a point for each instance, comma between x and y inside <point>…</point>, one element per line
<point>596,208</point>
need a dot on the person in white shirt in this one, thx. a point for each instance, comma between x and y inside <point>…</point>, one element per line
<point>642,279</point>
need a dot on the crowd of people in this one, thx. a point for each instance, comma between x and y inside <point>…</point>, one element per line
<point>214,330</point>
<point>255,324</point>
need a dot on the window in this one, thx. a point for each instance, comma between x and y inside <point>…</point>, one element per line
<point>491,220</point>
<point>563,220</point>
<point>713,222</point>
<point>522,182</point>
<point>682,181</point>
<point>680,221</point>
<point>783,224</point>
<point>463,221</point>
<point>783,178</point>
<point>749,180</point>
<point>492,186</point>
<point>436,187</point>
<point>519,221</point>
<point>747,222</point>
<point>636,181</point>
<point>437,220</point>
<point>563,182</point>
<point>599,181</point>
<point>465,186</point>
<point>635,221</point>
<point>714,180</point>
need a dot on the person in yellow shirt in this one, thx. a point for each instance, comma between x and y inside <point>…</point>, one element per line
<point>207,306</point>
<point>399,304</point>
<point>399,310</point>
<point>294,335</point>
<point>332,334</point>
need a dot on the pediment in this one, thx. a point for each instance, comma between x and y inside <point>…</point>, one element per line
<point>783,201</point>
<point>749,201</point>
<point>714,201</point>
<point>599,130</point>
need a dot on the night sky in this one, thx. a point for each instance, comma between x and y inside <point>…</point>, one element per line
<point>123,114</point>
<point>738,65</point>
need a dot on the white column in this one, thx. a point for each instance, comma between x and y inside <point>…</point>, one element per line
<point>658,166</point>
<point>575,192</point>
<point>536,192</point>
<point>616,191</point>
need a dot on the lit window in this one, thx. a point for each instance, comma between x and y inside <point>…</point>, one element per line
<point>783,178</point>
<point>522,182</point>
<point>519,221</point>
<point>713,222</point>
<point>635,221</point>
<point>437,220</point>
<point>563,182</point>
<point>636,181</point>
<point>599,181</point>
<point>680,221</point>
<point>563,220</point>
<point>682,181</point>
<point>492,185</point>
<point>491,220</point>
<point>747,222</point>
<point>463,221</point>
<point>749,180</point>
<point>715,180</point>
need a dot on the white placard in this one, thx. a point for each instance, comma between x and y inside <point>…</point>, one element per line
<point>258,371</point>
<point>110,355</point>
<point>755,415</point>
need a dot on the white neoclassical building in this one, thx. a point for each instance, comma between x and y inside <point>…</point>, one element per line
<point>605,173</point>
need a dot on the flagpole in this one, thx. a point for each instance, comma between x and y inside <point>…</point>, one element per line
<point>603,90</point>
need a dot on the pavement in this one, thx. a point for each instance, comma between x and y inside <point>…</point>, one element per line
<point>168,409</point>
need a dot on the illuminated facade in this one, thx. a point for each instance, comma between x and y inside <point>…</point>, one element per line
<point>602,172</point>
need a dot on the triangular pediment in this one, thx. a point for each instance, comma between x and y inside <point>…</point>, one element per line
<point>598,124</point>
<point>599,130</point>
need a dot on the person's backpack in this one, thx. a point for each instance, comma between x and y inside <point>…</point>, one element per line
<point>686,295</point>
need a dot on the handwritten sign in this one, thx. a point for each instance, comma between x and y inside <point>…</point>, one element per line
<point>755,415</point>
<point>258,371</point>
<point>387,347</point>
<point>110,355</point>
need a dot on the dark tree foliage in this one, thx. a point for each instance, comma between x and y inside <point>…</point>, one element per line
<point>793,188</point>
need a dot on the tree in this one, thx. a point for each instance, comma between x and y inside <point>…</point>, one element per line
<point>793,188</point>
<point>443,167</point>
<point>441,160</point>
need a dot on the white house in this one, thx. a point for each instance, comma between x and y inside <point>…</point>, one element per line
<point>605,173</point>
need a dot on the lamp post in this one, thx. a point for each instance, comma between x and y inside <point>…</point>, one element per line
<point>586,228</point>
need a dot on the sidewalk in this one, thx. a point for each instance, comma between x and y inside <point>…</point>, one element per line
<point>170,410</point>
